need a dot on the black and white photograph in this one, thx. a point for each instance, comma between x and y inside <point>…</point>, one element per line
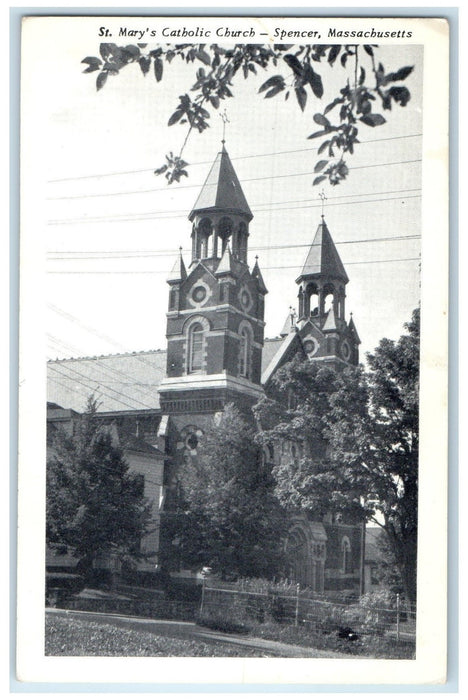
<point>233,252</point>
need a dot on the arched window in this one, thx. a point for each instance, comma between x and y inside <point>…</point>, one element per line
<point>196,338</point>
<point>242,242</point>
<point>346,553</point>
<point>328,297</point>
<point>225,231</point>
<point>244,353</point>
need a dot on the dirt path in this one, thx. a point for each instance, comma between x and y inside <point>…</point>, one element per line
<point>189,630</point>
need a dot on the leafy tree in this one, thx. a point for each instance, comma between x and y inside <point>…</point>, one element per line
<point>368,89</point>
<point>359,429</point>
<point>232,521</point>
<point>94,503</point>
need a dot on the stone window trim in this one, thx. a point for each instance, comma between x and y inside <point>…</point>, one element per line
<point>192,294</point>
<point>192,323</point>
<point>245,349</point>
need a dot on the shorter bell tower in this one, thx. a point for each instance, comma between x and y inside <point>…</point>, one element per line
<point>325,333</point>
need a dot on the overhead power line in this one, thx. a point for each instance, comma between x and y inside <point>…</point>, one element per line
<point>152,214</point>
<point>180,216</point>
<point>166,272</point>
<point>207,162</point>
<point>200,184</point>
<point>121,255</point>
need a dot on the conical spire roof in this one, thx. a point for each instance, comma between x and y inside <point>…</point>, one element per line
<point>322,258</point>
<point>257,275</point>
<point>178,272</point>
<point>222,189</point>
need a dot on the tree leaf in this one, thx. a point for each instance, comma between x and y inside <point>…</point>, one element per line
<point>315,82</point>
<point>373,119</point>
<point>332,105</point>
<point>319,179</point>
<point>178,114</point>
<point>294,63</point>
<point>320,119</point>
<point>274,91</point>
<point>323,146</point>
<point>316,134</point>
<point>274,81</point>
<point>320,165</point>
<point>203,57</point>
<point>101,80</point>
<point>368,49</point>
<point>144,62</point>
<point>301,96</point>
<point>158,69</point>
<point>400,74</point>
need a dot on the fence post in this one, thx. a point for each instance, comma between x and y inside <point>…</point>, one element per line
<point>202,595</point>
<point>296,620</point>
<point>398,617</point>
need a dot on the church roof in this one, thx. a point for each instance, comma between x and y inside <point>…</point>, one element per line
<point>222,189</point>
<point>322,258</point>
<point>119,382</point>
<point>126,382</point>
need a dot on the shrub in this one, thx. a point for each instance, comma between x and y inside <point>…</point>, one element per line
<point>216,621</point>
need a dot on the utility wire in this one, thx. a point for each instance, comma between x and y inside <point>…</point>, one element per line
<point>97,388</point>
<point>151,214</point>
<point>183,216</point>
<point>207,162</point>
<point>121,255</point>
<point>251,179</point>
<point>166,272</point>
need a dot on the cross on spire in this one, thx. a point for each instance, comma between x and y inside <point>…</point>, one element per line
<point>225,120</point>
<point>323,198</point>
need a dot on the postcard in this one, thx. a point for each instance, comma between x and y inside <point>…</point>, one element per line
<point>233,351</point>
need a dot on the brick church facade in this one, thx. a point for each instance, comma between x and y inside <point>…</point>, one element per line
<point>159,403</point>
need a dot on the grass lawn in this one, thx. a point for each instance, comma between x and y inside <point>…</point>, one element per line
<point>68,637</point>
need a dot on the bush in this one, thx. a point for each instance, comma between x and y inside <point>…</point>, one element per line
<point>216,621</point>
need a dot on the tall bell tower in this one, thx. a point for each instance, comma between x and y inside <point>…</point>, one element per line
<point>216,305</point>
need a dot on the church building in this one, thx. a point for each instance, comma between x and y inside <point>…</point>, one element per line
<point>159,403</point>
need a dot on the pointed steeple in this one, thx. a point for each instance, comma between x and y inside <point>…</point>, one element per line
<point>178,272</point>
<point>222,191</point>
<point>225,264</point>
<point>289,324</point>
<point>257,275</point>
<point>330,322</point>
<point>352,328</point>
<point>323,259</point>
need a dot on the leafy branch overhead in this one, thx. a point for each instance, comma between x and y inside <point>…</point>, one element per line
<point>367,93</point>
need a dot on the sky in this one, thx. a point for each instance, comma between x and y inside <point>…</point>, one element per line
<point>112,228</point>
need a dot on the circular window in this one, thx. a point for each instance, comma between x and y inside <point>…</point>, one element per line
<point>245,298</point>
<point>199,293</point>
<point>310,346</point>
<point>345,350</point>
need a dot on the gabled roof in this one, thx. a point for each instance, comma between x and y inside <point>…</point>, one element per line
<point>222,189</point>
<point>330,321</point>
<point>225,266</point>
<point>322,258</point>
<point>279,356</point>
